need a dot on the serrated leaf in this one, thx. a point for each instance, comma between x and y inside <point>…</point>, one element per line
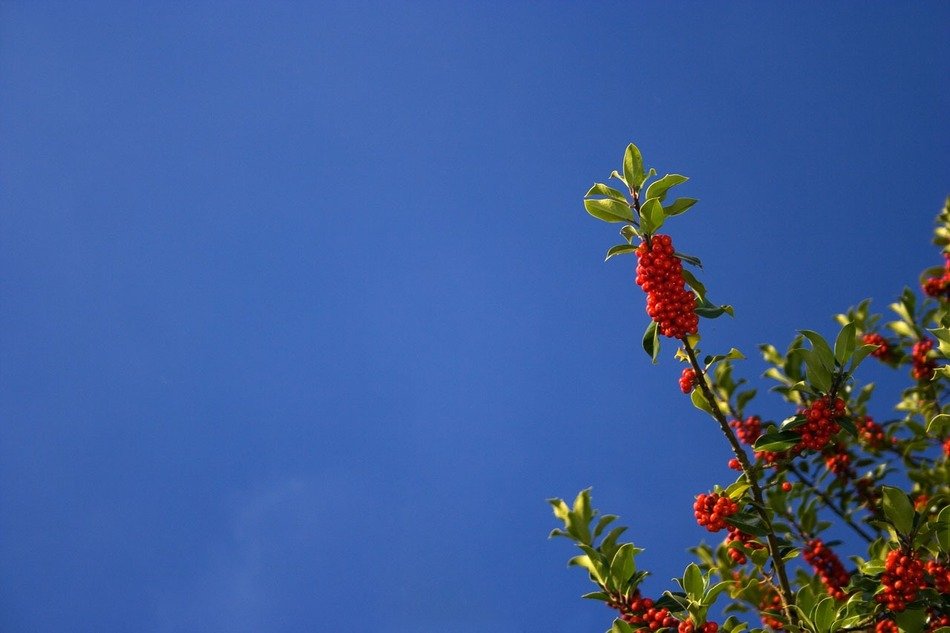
<point>609,210</point>
<point>633,166</point>
<point>844,344</point>
<point>620,249</point>
<point>659,188</point>
<point>600,189</point>
<point>678,206</point>
<point>898,509</point>
<point>652,217</point>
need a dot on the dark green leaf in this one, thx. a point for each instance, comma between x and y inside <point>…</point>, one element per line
<point>694,284</point>
<point>620,249</point>
<point>816,372</point>
<point>911,619</point>
<point>680,205</point>
<point>942,530</point>
<point>659,188</point>
<point>609,210</point>
<point>651,341</point>
<point>633,166</point>
<point>748,523</point>
<point>860,354</point>
<point>652,217</point>
<point>821,347</point>
<point>848,425</point>
<point>898,509</point>
<point>689,259</point>
<point>743,398</point>
<point>776,442</point>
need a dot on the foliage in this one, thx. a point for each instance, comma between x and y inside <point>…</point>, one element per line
<point>888,482</point>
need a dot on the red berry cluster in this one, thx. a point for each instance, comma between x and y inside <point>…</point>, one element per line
<point>939,285</point>
<point>712,510</point>
<point>838,462</point>
<point>641,613</point>
<point>903,577</point>
<point>941,576</point>
<point>748,431</point>
<point>771,602</point>
<point>689,627</point>
<point>820,426</point>
<point>747,540</point>
<point>870,433</point>
<point>883,350</point>
<point>734,464</point>
<point>669,303</point>
<point>886,626</point>
<point>828,567</point>
<point>946,447</point>
<point>937,621</point>
<point>923,366</point>
<point>687,380</point>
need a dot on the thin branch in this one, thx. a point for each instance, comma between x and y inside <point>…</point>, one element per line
<point>828,501</point>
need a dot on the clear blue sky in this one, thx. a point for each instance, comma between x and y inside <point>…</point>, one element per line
<point>301,317</point>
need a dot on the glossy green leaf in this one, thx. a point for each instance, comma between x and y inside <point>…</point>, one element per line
<point>699,401</point>
<point>652,217</point>
<point>938,425</point>
<point>942,530</point>
<point>651,341</point>
<point>619,626</point>
<point>689,259</point>
<point>694,283</point>
<point>600,189</point>
<point>633,166</point>
<point>680,205</point>
<point>816,372</point>
<point>824,614</point>
<point>911,619</point>
<point>596,595</point>
<point>620,249</point>
<point>659,188</point>
<point>777,441</point>
<point>748,523</point>
<point>898,509</point>
<point>844,344</point>
<point>609,210</point>
<point>709,310</point>
<point>622,566</point>
<point>821,348</point>
<point>860,354</point>
<point>614,174</point>
<point>693,583</point>
<point>629,232</point>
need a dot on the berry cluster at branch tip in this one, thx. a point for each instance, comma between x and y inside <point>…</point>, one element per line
<point>748,431</point>
<point>820,425</point>
<point>938,286</point>
<point>826,564</point>
<point>660,274</point>
<point>687,380</point>
<point>923,365</point>
<point>712,510</point>
<point>903,577</point>
<point>941,576</point>
<point>746,540</point>
<point>883,350</point>
<point>641,613</point>
<point>689,627</point>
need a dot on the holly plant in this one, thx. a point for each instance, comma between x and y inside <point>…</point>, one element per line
<point>882,475</point>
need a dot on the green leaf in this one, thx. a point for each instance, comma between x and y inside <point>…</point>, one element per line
<point>620,249</point>
<point>680,205</point>
<point>709,310</point>
<point>816,372</point>
<point>938,424</point>
<point>775,442</point>
<point>748,523</point>
<point>585,562</point>
<point>609,210</point>
<point>651,341</point>
<point>744,397</point>
<point>619,626</point>
<point>898,509</point>
<point>603,522</point>
<point>629,232</point>
<point>622,566</point>
<point>689,259</point>
<point>848,425</point>
<point>659,188</point>
<point>824,614</point>
<point>942,530</point>
<point>596,595</point>
<point>844,344</point>
<point>694,284</point>
<point>821,348</point>
<point>600,189</point>
<point>633,166</point>
<point>859,355</point>
<point>652,214</point>
<point>614,174</point>
<point>693,583</point>
<point>560,508</point>
<point>911,619</point>
<point>715,590</point>
<point>699,401</point>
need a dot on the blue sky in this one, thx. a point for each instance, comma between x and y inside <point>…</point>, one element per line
<point>302,318</point>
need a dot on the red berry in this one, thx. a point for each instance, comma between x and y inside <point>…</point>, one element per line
<point>923,365</point>
<point>821,424</point>
<point>712,510</point>
<point>687,380</point>
<point>660,275</point>
<point>903,577</point>
<point>828,567</point>
<point>748,431</point>
<point>786,486</point>
<point>883,350</point>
